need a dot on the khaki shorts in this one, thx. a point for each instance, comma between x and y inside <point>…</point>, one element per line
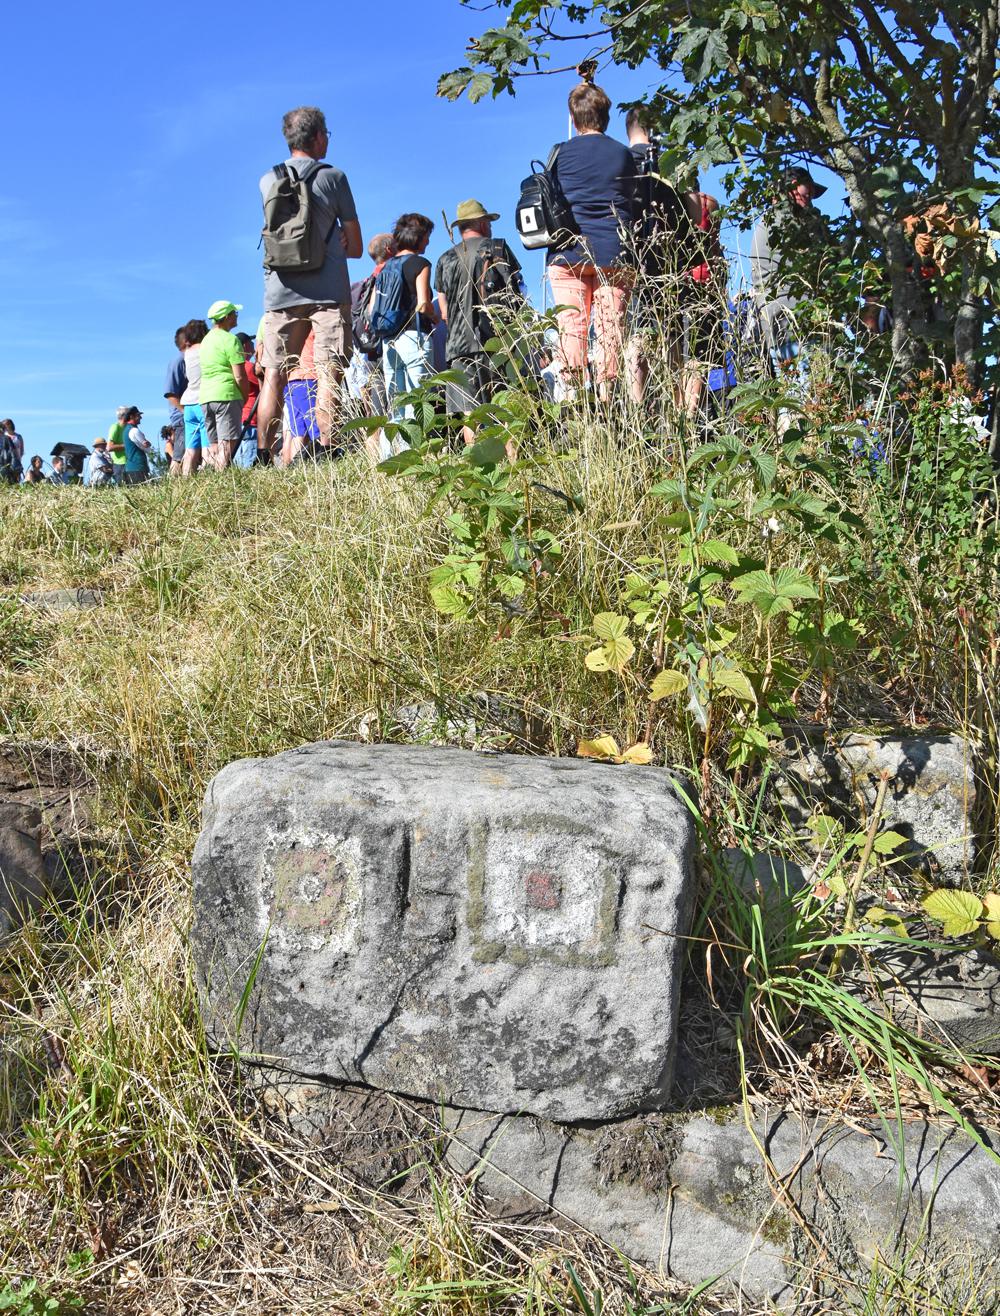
<point>285,333</point>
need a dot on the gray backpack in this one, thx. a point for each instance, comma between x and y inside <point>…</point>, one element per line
<point>293,240</point>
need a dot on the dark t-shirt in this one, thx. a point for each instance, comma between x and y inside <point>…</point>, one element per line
<point>597,175</point>
<point>665,237</point>
<point>454,277</point>
<point>411,267</point>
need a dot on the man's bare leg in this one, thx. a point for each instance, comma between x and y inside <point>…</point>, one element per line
<point>269,409</point>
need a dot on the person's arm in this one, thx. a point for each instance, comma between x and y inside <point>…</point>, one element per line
<point>443,306</point>
<point>425,302</point>
<point>173,400</point>
<point>351,239</point>
<point>138,439</point>
<point>240,375</point>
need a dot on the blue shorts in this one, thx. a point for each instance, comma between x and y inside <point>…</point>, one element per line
<point>300,409</point>
<point>194,428</point>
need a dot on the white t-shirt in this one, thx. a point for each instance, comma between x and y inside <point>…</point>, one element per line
<point>192,367</point>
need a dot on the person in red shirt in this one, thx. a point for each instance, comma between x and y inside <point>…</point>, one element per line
<point>246,454</point>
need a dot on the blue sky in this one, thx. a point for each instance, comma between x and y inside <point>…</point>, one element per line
<point>157,123</point>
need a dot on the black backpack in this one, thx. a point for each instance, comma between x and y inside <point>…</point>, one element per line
<point>361,330</point>
<point>544,216</point>
<point>491,278</point>
<point>292,238</point>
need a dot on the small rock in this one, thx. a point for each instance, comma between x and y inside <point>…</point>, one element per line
<point>467,721</point>
<point>64,600</point>
<point>769,878</point>
<point>949,996</point>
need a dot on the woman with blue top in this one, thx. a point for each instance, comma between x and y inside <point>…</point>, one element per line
<point>597,177</point>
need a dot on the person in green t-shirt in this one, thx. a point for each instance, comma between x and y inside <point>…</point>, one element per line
<point>116,444</point>
<point>223,387</point>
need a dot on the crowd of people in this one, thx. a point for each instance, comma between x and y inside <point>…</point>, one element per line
<point>641,260</point>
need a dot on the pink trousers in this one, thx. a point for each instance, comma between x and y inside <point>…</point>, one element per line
<point>578,289</point>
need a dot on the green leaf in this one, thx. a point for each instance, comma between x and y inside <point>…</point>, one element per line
<point>827,831</point>
<point>886,842</point>
<point>767,466</point>
<point>610,625</point>
<point>992,904</point>
<point>734,682</point>
<point>668,682</point>
<point>958,912</point>
<point>449,601</point>
<point>717,550</point>
<point>451,85</point>
<point>487,452</point>
<point>884,918</point>
<point>792,584</point>
<point>401,462</point>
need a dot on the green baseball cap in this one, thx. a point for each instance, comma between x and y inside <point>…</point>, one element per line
<point>219,310</point>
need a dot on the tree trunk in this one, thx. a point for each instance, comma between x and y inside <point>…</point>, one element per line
<point>909,321</point>
<point>969,323</point>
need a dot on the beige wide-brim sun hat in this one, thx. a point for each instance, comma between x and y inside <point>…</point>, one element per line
<point>470,210</point>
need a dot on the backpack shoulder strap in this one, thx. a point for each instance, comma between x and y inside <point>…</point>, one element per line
<point>553,155</point>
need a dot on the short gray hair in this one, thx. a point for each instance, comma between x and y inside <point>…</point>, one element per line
<point>301,126</point>
<point>381,247</point>
<point>122,412</point>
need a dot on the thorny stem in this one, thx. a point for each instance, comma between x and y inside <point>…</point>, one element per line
<point>854,887</point>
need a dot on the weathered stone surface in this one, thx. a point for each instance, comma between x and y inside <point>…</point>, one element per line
<point>466,721</point>
<point>495,932</point>
<point>950,996</point>
<point>64,600</point>
<point>22,867</point>
<point>59,782</point>
<point>768,878</point>
<point>930,801</point>
<point>687,1194</point>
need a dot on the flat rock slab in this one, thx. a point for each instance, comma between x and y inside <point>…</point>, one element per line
<point>64,600</point>
<point>930,802</point>
<point>495,932</point>
<point>688,1194</point>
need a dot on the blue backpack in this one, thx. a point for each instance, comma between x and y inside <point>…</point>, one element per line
<point>390,308</point>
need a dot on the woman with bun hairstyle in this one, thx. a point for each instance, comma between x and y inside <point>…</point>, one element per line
<point>597,178</point>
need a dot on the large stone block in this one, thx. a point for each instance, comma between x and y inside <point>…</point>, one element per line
<point>495,932</point>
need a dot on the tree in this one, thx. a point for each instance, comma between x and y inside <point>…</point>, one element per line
<point>898,98</point>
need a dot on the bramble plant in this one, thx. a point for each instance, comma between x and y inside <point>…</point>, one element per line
<point>497,511</point>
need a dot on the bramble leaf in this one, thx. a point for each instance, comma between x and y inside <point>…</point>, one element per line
<point>886,842</point>
<point>667,683</point>
<point>958,912</point>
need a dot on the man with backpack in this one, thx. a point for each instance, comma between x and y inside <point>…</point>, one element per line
<point>310,232</point>
<point>791,244</point>
<point>478,272</point>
